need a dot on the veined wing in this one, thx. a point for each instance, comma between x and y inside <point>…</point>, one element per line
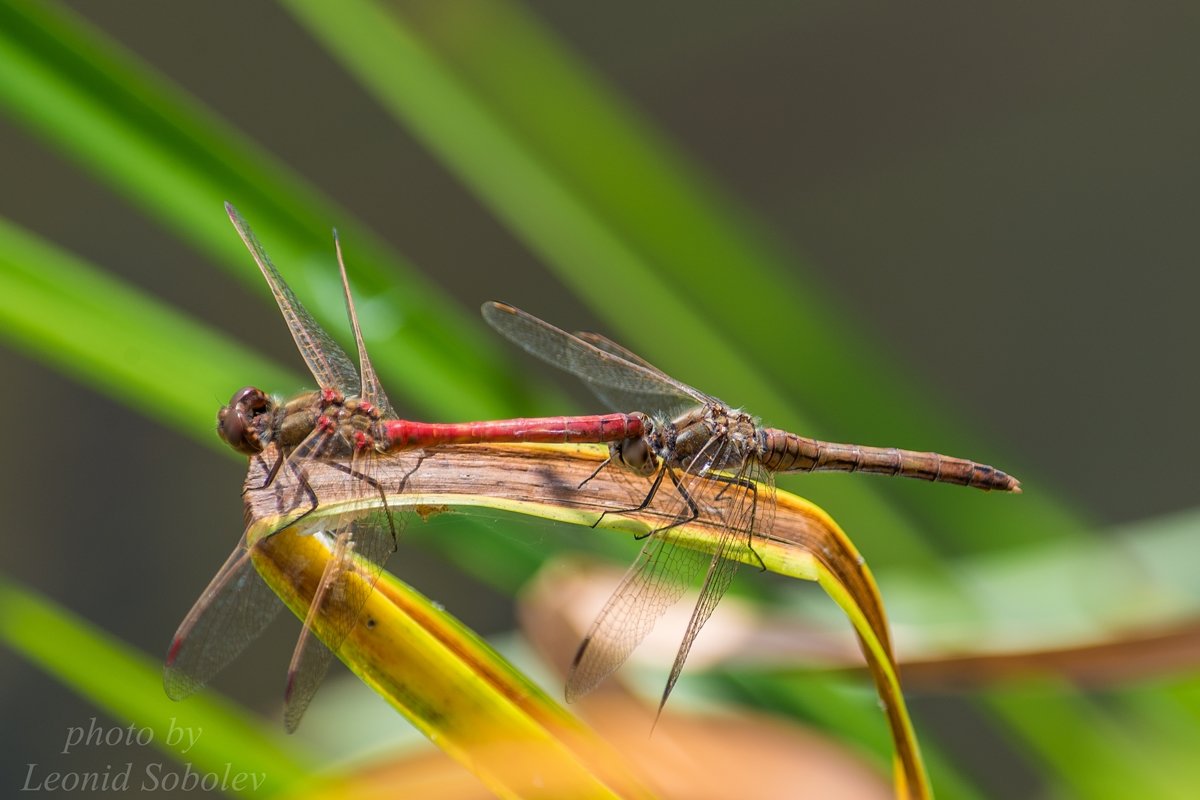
<point>330,367</point>
<point>233,610</point>
<point>602,342</point>
<point>667,567</point>
<point>372,391</point>
<point>744,506</point>
<point>661,574</point>
<point>345,585</point>
<point>346,582</point>
<point>622,383</point>
<point>359,544</point>
<point>606,344</point>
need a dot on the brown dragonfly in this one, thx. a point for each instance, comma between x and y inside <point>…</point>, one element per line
<point>720,464</point>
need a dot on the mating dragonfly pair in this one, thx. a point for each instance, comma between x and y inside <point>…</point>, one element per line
<point>714,462</point>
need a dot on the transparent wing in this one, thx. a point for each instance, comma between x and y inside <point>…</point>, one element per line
<point>231,612</point>
<point>310,662</point>
<point>667,567</point>
<point>661,574</point>
<point>621,383</point>
<point>360,544</point>
<point>606,344</point>
<point>372,391</point>
<point>329,365</point>
<point>745,506</point>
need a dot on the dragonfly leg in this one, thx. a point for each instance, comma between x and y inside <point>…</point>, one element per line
<point>595,472</point>
<point>641,506</point>
<point>400,489</point>
<point>693,511</point>
<point>302,479</point>
<point>752,487</point>
<point>404,481</point>
<point>375,484</point>
<point>271,473</point>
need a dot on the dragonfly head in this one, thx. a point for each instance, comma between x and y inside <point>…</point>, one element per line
<point>235,422</point>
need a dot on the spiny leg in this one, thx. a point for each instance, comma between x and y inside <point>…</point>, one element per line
<point>595,472</point>
<point>642,506</point>
<point>752,487</point>
<point>682,519</point>
<point>377,486</point>
<point>272,472</point>
<point>311,447</point>
<point>693,511</point>
<point>298,472</point>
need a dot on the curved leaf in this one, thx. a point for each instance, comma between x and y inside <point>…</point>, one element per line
<point>542,480</point>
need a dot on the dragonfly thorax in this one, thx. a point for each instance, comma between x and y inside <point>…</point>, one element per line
<point>252,420</point>
<point>709,437</point>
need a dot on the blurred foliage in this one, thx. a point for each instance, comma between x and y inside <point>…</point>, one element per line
<point>594,190</point>
<point>115,680</point>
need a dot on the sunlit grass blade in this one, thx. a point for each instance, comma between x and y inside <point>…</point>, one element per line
<point>506,724</point>
<point>150,141</point>
<point>458,691</point>
<point>446,681</point>
<point>540,481</point>
<point>128,686</point>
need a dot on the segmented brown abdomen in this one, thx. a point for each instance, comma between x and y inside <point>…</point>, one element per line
<point>786,452</point>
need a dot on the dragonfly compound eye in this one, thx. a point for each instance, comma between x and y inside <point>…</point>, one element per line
<point>249,399</point>
<point>234,421</point>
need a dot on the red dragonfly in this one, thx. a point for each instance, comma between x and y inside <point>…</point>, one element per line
<point>349,424</point>
<point>720,465</point>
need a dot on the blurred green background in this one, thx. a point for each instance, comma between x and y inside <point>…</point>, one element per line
<point>966,230</point>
